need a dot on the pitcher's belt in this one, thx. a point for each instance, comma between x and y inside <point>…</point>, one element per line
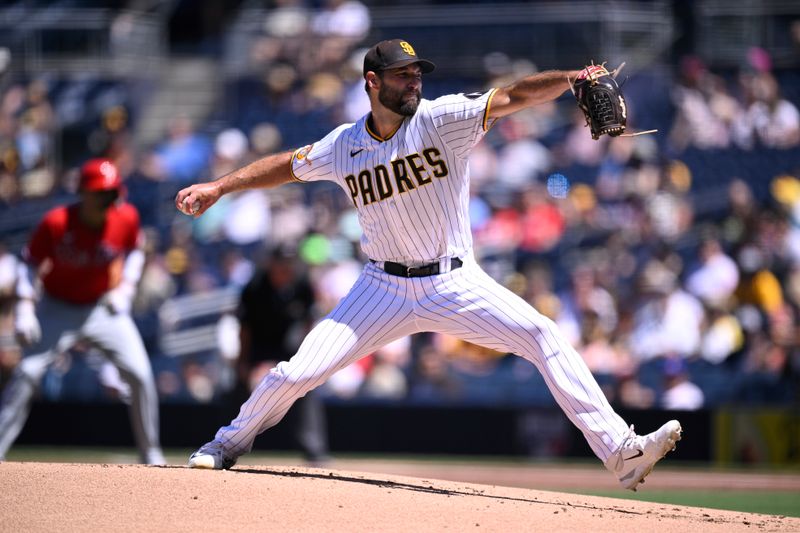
<point>431,269</point>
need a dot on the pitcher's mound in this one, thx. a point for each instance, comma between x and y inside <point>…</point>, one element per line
<point>109,498</point>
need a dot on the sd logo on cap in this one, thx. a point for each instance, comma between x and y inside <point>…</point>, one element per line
<point>394,53</point>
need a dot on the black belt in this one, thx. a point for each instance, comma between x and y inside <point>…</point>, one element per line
<point>431,269</point>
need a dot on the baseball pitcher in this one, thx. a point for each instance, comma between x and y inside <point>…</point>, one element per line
<point>88,259</point>
<point>405,168</point>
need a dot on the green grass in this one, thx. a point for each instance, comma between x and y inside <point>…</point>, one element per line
<point>88,454</point>
<point>782,503</point>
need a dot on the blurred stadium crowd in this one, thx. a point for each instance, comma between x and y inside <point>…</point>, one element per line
<point>671,261</point>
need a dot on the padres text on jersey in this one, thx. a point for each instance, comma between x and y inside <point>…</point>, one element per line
<point>411,189</point>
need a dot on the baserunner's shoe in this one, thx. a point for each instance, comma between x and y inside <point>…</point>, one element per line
<point>639,454</point>
<point>211,456</point>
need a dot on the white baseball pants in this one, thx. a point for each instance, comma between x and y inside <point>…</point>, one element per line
<point>466,303</point>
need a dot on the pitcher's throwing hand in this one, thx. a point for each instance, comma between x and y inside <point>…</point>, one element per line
<point>196,199</point>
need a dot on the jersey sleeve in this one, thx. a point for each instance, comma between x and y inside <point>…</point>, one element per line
<point>316,162</point>
<point>462,119</point>
<point>133,238</point>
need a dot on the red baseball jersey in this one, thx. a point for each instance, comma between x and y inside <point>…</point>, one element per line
<point>81,263</point>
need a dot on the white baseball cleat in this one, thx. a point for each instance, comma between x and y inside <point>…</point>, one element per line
<point>212,457</point>
<point>639,454</point>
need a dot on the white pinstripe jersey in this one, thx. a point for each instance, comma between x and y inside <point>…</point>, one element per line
<point>411,189</point>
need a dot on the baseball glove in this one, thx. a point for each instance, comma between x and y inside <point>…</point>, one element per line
<point>601,101</point>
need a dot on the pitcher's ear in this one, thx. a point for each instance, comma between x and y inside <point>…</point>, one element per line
<point>372,79</point>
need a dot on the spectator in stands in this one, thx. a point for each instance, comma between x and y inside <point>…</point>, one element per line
<point>617,269</point>
<point>603,356</point>
<point>740,223</point>
<point>386,378</point>
<point>668,321</point>
<point>9,182</point>
<point>522,159</point>
<point>539,289</point>
<point>484,161</point>
<point>112,138</point>
<point>502,232</point>
<point>697,122</point>
<point>680,394</point>
<point>716,277</point>
<point>246,218</point>
<point>198,383</point>
<point>185,154</point>
<point>265,138</point>
<point>669,211</point>
<point>432,378</point>
<point>178,257</point>
<point>231,148</point>
<point>586,299</point>
<point>723,335</point>
<point>37,125</point>
<point>311,41</point>
<point>770,120</point>
<point>29,128</point>
<point>39,181</point>
<point>723,105</point>
<point>581,148</point>
<point>34,144</point>
<point>785,190</point>
<point>323,91</point>
<point>291,217</point>
<point>479,211</point>
<point>764,376</point>
<point>542,223</point>
<point>347,19</point>
<point>467,358</point>
<point>631,393</point>
<point>792,284</point>
<point>285,33</point>
<point>758,285</point>
<point>615,168</point>
<point>278,82</point>
<point>235,269</point>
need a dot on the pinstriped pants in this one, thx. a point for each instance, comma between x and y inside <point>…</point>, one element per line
<point>466,303</point>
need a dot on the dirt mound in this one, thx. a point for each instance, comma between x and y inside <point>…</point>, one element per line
<point>110,498</point>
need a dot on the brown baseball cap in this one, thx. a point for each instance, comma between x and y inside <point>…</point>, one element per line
<point>394,53</point>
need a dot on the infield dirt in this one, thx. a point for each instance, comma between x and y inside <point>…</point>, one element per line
<point>111,498</point>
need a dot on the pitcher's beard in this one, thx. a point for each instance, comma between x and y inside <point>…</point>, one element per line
<point>409,107</point>
<point>395,101</point>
